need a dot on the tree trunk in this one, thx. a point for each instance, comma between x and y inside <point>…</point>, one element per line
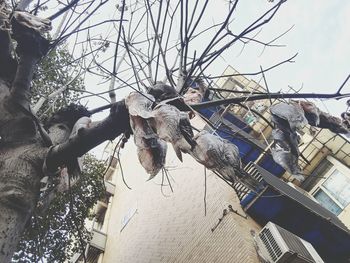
<point>19,188</point>
<point>21,158</point>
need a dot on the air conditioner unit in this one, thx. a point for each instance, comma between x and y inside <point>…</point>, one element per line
<point>278,245</point>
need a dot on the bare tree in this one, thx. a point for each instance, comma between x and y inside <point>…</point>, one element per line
<point>145,42</point>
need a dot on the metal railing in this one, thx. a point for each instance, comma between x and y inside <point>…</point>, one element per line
<point>242,190</point>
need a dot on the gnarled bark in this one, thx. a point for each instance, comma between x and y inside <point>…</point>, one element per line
<point>24,145</point>
<point>21,157</point>
<point>87,138</point>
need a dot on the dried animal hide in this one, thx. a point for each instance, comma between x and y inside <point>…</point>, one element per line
<point>333,124</point>
<point>165,94</point>
<point>151,149</point>
<point>58,133</point>
<point>5,13</point>
<point>162,92</point>
<point>40,25</point>
<point>288,161</point>
<point>153,127</point>
<point>152,158</point>
<point>173,126</point>
<point>312,113</point>
<point>83,122</point>
<point>193,96</point>
<point>287,140</point>
<point>222,156</point>
<point>321,119</point>
<point>288,118</point>
<point>140,104</point>
<point>346,119</point>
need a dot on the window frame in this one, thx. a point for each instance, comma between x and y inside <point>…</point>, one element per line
<point>319,186</point>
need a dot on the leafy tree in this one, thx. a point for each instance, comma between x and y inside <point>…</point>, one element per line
<point>57,82</point>
<point>59,232</point>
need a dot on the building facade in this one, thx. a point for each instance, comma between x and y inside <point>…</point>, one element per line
<point>187,214</point>
<point>156,222</point>
<point>326,162</point>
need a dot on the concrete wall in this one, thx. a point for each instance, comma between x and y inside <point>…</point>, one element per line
<point>146,226</point>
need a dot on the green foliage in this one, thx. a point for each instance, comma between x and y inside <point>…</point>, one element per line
<point>57,234</point>
<point>55,71</point>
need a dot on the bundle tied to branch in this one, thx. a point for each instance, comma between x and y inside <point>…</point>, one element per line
<point>155,122</point>
<point>162,125</point>
<point>288,119</point>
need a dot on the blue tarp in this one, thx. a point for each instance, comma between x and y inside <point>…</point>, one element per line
<point>248,151</point>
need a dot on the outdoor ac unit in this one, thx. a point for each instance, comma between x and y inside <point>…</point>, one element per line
<point>277,245</point>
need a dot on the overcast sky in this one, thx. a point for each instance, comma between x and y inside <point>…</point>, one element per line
<point>320,36</point>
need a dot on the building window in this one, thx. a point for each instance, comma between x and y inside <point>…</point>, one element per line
<point>338,185</point>
<point>334,192</point>
<point>250,119</point>
<point>327,202</point>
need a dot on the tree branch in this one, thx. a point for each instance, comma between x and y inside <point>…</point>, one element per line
<point>20,90</point>
<point>7,63</point>
<point>63,10</point>
<point>31,46</point>
<point>342,85</point>
<point>224,102</point>
<point>115,124</point>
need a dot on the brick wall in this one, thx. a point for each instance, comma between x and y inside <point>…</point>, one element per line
<point>173,228</point>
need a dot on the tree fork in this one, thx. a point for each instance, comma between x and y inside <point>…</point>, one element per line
<point>21,148</point>
<point>114,125</point>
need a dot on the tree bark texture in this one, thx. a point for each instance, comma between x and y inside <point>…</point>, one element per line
<point>21,158</point>
<point>23,153</point>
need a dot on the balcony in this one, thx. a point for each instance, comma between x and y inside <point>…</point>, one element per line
<point>101,208</point>
<point>96,246</point>
<point>110,188</point>
<point>98,239</point>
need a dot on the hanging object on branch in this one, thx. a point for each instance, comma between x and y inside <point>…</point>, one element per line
<point>151,150</point>
<point>221,156</point>
<point>173,126</point>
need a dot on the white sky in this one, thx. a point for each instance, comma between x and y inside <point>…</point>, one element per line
<point>320,36</point>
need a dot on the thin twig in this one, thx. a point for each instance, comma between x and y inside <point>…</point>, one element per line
<point>342,85</point>
<point>64,9</point>
<point>167,177</point>
<point>121,170</point>
<point>205,191</point>
<point>265,81</point>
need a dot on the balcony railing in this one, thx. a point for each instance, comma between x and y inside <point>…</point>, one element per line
<point>98,239</point>
<point>95,247</point>
<point>110,188</point>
